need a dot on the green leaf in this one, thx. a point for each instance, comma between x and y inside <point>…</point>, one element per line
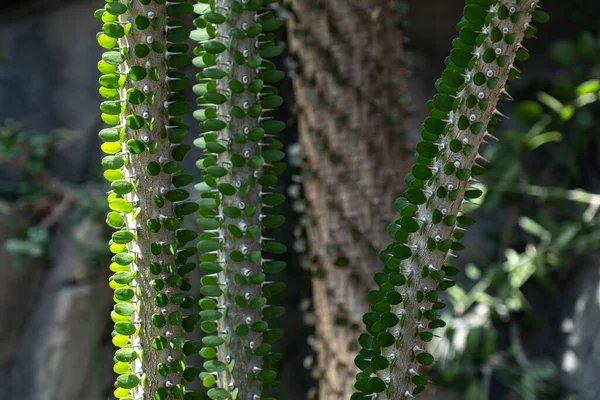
<point>415,196</point>
<point>475,14</point>
<point>126,355</point>
<point>425,358</point>
<point>214,18</point>
<point>427,149</point>
<point>422,172</point>
<point>121,186</point>
<point>113,30</point>
<point>219,394</point>
<point>266,375</point>
<point>123,278</point>
<point>214,47</point>
<point>214,366</point>
<point>402,251</point>
<point>135,122</point>
<point>379,362</point>
<point>113,57</point>
<point>121,205</point>
<point>212,341</point>
<point>115,220</point>
<point>541,16</point>
<point>274,247</point>
<point>127,381</point>
<point>116,8</point>
<point>125,328</point>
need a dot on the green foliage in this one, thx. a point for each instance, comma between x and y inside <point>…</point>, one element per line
<point>237,206</point>
<point>34,244</point>
<point>432,219</point>
<point>140,82</point>
<point>28,155</point>
<point>29,186</point>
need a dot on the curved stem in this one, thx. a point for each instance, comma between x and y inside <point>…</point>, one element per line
<point>431,222</point>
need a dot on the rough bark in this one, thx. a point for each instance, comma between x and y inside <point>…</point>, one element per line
<point>352,112</point>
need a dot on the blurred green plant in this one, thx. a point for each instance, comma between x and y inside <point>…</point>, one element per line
<point>25,160</point>
<point>33,244</point>
<point>29,186</point>
<point>25,155</point>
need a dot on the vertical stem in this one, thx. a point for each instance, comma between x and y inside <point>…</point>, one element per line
<point>150,259</point>
<point>239,168</point>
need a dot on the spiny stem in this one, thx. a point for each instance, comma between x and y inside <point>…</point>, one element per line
<point>140,82</point>
<point>240,167</point>
<point>431,222</point>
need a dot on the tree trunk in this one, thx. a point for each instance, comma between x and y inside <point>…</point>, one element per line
<point>352,112</point>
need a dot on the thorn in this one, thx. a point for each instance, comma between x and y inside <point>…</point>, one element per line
<point>520,46</point>
<point>450,254</point>
<point>418,349</point>
<point>496,112</point>
<point>408,395</point>
<point>412,372</point>
<point>459,228</point>
<point>480,157</point>
<point>487,134</point>
<point>508,96</point>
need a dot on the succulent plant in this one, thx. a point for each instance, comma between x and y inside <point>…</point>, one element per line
<point>140,82</point>
<point>238,205</point>
<point>431,223</point>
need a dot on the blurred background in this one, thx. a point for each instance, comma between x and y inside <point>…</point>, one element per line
<point>525,313</point>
